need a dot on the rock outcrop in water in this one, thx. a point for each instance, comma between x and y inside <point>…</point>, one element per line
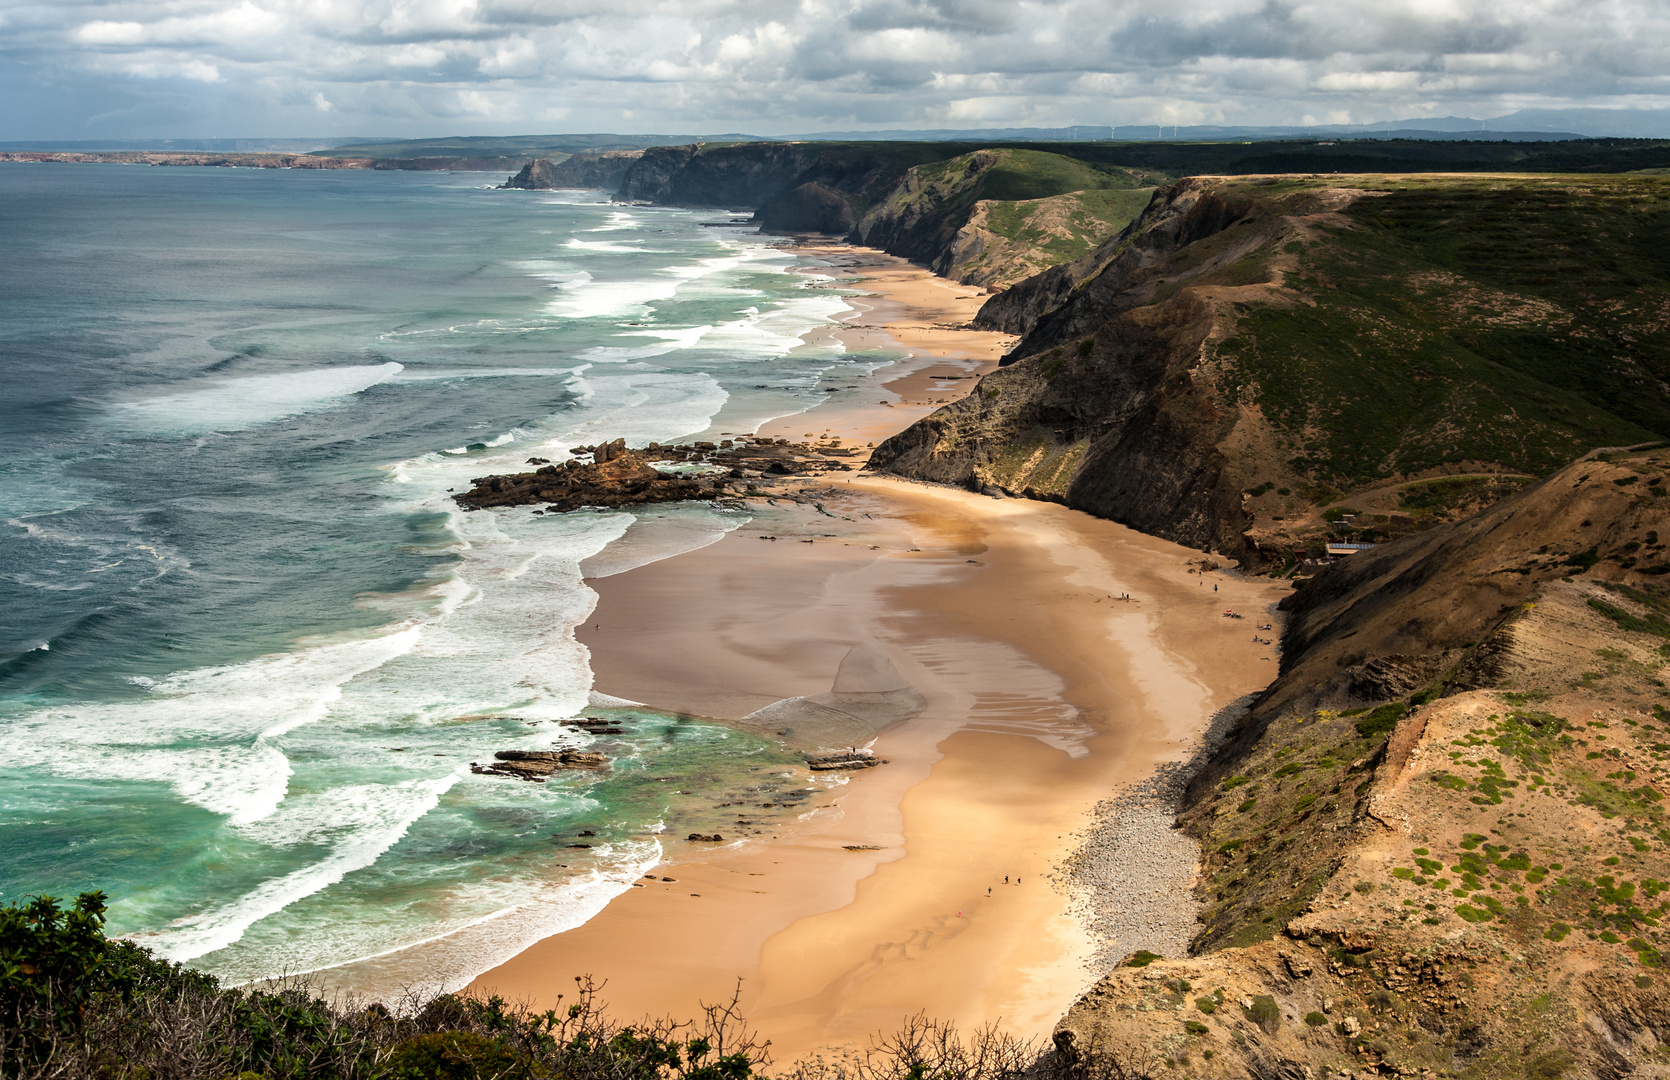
<point>536,765</point>
<point>617,476</point>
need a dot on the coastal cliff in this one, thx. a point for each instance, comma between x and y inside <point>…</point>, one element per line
<point>1436,843</point>
<point>1258,366</point>
<point>980,218</point>
<point>990,217</point>
<point>759,175</point>
<point>589,169</point>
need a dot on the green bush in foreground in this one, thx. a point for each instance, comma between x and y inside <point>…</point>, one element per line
<point>77,1006</point>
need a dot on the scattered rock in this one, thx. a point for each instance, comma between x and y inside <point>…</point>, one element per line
<point>850,758</point>
<point>710,838</point>
<point>538,764</point>
<point>619,476</point>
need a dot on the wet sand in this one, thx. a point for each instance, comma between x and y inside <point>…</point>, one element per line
<point>1044,692</point>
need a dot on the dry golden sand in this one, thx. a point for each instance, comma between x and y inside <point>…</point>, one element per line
<point>1044,692</point>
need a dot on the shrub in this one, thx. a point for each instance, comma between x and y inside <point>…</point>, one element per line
<point>1265,1013</point>
<point>1142,958</point>
<point>1316,1019</point>
<point>1381,721</point>
<point>454,1055</point>
<point>77,1005</point>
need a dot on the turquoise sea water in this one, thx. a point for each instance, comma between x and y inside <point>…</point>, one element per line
<point>248,645</point>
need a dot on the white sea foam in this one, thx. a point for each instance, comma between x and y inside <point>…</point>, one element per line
<point>619,219</point>
<point>592,299</point>
<point>238,403</point>
<point>419,375</point>
<point>369,820</point>
<point>510,914</point>
<point>612,247</point>
<point>206,733</point>
<point>322,759</point>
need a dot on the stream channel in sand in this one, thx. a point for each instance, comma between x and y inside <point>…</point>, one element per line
<point>1044,693</point>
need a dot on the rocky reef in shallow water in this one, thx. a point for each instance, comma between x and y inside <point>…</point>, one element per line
<point>538,764</point>
<point>617,476</point>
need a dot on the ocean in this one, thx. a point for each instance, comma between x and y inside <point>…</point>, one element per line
<point>248,644</point>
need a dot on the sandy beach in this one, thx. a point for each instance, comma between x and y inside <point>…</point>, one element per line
<point>930,883</point>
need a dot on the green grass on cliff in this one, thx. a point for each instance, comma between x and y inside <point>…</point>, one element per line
<point>1088,217</point>
<point>1520,321</point>
<point>1019,175</point>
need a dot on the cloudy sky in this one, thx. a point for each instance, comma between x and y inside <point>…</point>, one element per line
<point>220,68</point>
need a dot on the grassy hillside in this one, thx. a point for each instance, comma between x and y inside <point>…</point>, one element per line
<point>1438,845</point>
<point>1513,321</point>
<point>1014,174</point>
<point>993,217</point>
<point>1314,352</point>
<point>1066,227</point>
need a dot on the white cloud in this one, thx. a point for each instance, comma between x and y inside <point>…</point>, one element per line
<point>111,33</point>
<point>795,65</point>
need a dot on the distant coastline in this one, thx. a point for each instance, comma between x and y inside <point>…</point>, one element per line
<point>264,161</point>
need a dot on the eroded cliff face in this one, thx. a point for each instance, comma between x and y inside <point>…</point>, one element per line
<point>990,217</point>
<point>1006,242</point>
<point>1179,215</point>
<point>602,169</point>
<point>760,175</point>
<point>1115,423</point>
<point>1437,845</point>
<point>920,216</point>
<point>1119,430</point>
<point>1262,366</point>
<point>979,218</point>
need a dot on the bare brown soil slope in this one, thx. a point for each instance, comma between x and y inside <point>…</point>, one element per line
<point>1258,365</point>
<point>1438,844</point>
